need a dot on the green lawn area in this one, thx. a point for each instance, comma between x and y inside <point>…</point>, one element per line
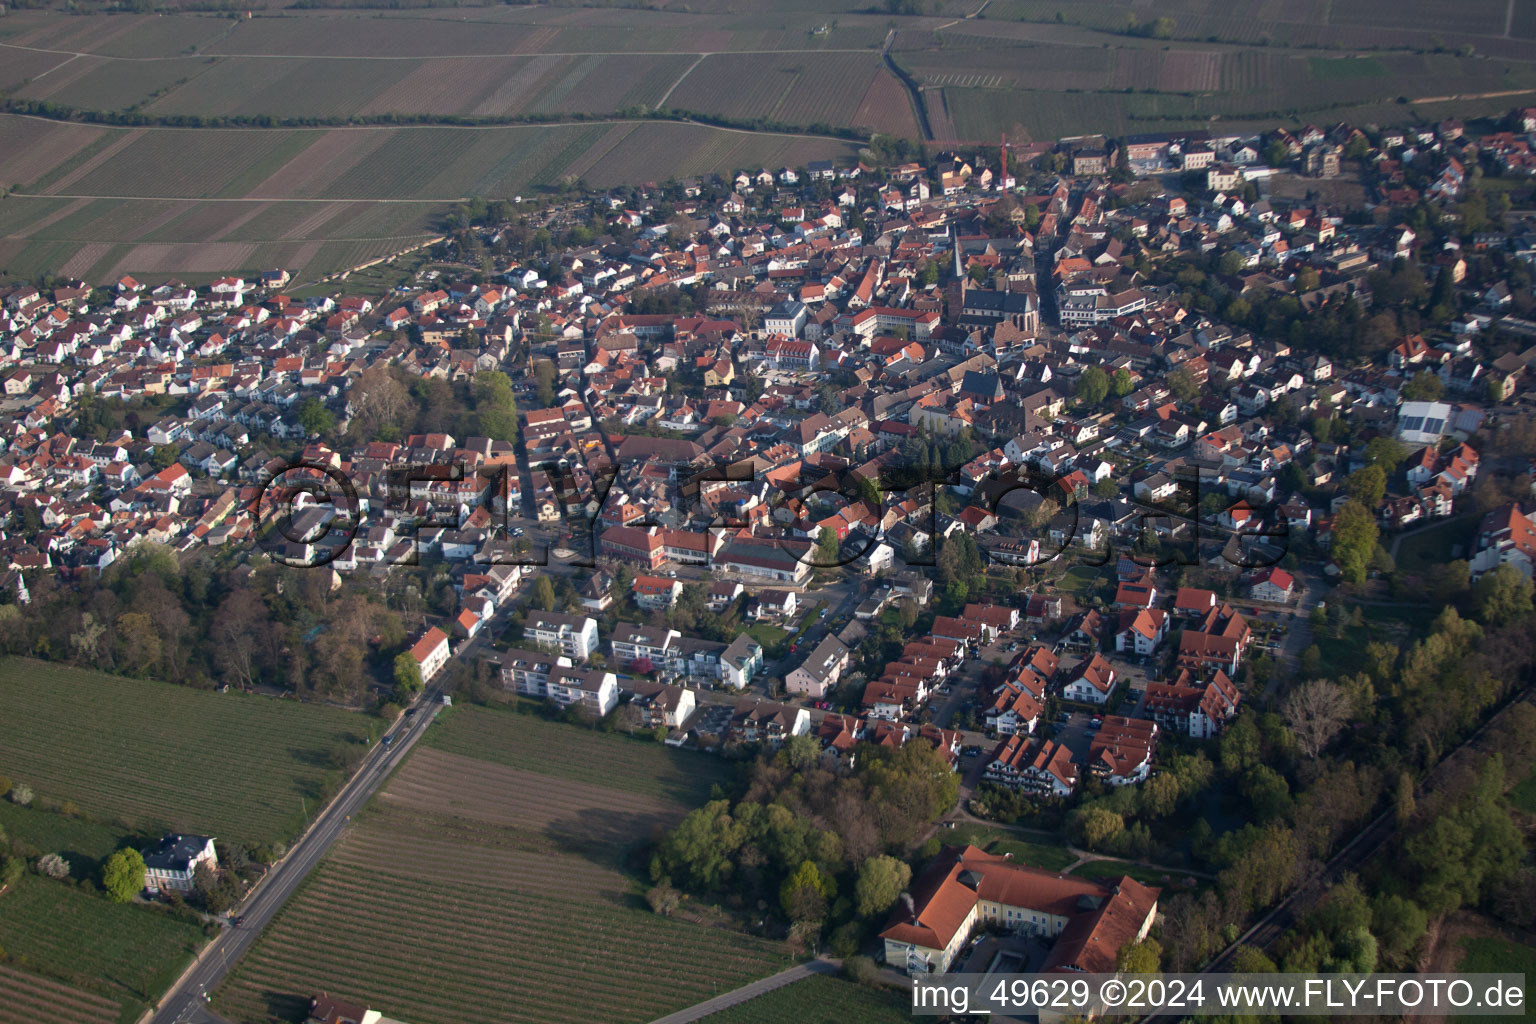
<point>1098,869</point>
<point>1433,545</point>
<point>1037,853</point>
<point>1080,579</point>
<point>149,756</point>
<point>821,1000</point>
<point>125,952</point>
<point>1494,955</point>
<point>565,751</point>
<point>767,634</point>
<point>1523,795</point>
<point>83,843</point>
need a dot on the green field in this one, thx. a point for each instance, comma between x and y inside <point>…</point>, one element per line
<point>518,849</point>
<point>1112,869</point>
<point>85,844</point>
<point>127,953</point>
<point>821,1000</point>
<point>1037,853</point>
<point>1496,956</point>
<point>533,744</point>
<point>150,756</point>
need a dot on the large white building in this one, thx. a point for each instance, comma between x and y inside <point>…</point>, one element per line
<point>431,653</point>
<point>575,636</point>
<point>171,866</point>
<point>965,889</point>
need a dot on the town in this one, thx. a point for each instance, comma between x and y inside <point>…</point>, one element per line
<point>1064,460</point>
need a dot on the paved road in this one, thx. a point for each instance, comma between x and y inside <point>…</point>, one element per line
<point>749,991</point>
<point>185,1003</point>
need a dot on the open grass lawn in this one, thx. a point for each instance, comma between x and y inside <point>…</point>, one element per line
<point>1081,579</point>
<point>512,838</point>
<point>1101,869</point>
<point>563,751</point>
<point>85,844</point>
<point>1433,545</point>
<point>768,635</point>
<point>1037,853</point>
<point>821,1000</point>
<point>150,756</point>
<point>1496,955</point>
<point>129,954</point>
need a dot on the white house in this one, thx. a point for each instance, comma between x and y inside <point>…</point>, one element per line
<point>574,635</point>
<point>431,653</point>
<point>1091,682</point>
<point>171,865</point>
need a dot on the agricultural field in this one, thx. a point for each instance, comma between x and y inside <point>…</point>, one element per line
<point>1043,90</point>
<point>532,744</point>
<point>1014,69</point>
<point>791,88</point>
<point>516,834</point>
<point>27,998</point>
<point>821,1000</point>
<point>104,951</point>
<point>150,756</point>
<point>196,203</point>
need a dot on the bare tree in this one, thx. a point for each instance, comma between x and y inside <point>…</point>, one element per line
<point>1315,712</point>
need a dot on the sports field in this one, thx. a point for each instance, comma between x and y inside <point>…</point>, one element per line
<point>517,846</point>
<point>150,756</point>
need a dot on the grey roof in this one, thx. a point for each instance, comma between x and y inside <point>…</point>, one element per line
<point>175,852</point>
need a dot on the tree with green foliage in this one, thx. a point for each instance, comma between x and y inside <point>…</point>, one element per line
<point>1424,386</point>
<point>1092,386</point>
<point>408,680</point>
<point>827,547</point>
<point>1097,828</point>
<point>880,883</point>
<point>1367,485</point>
<point>1181,381</point>
<point>1461,855</point>
<point>1385,452</point>
<point>1398,924</point>
<point>1144,957</point>
<point>806,893</point>
<point>1354,540</point>
<point>1121,384</point>
<point>1502,596</point>
<point>123,875</point>
<point>544,382</point>
<point>315,418</point>
<point>495,406</point>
